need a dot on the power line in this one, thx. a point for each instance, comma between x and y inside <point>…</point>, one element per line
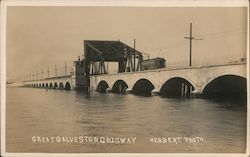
<point>223,32</point>
<point>208,35</point>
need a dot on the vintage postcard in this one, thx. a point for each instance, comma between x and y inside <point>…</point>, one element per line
<point>127,78</point>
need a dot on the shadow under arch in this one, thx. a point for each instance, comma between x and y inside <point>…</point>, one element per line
<point>176,87</point>
<point>119,87</point>
<point>102,86</point>
<point>143,87</point>
<point>61,86</point>
<point>55,85</point>
<point>67,86</point>
<point>51,85</point>
<point>227,87</point>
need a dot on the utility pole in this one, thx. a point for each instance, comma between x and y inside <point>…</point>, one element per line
<point>190,38</point>
<point>55,71</point>
<point>48,70</point>
<point>42,74</point>
<point>134,55</point>
<point>65,70</point>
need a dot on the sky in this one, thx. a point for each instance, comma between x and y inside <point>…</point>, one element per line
<point>41,36</point>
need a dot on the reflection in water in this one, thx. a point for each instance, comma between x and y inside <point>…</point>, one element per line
<point>38,112</point>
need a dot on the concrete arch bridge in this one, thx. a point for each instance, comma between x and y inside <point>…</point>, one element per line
<point>218,80</point>
<point>60,82</point>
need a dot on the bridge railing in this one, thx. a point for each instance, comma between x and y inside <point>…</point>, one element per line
<point>206,62</point>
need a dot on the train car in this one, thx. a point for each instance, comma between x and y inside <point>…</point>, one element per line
<point>154,63</point>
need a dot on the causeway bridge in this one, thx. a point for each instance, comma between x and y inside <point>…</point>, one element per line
<point>196,80</point>
<point>204,80</point>
<point>141,76</point>
<point>60,82</point>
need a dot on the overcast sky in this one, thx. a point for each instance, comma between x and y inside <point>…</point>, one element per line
<point>41,36</point>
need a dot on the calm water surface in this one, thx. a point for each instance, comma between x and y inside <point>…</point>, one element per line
<point>48,113</point>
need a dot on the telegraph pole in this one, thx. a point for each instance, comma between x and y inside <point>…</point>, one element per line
<point>134,55</point>
<point>55,71</point>
<point>48,70</point>
<point>42,74</point>
<point>65,70</point>
<point>190,38</point>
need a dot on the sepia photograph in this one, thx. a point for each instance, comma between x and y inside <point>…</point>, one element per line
<point>125,79</point>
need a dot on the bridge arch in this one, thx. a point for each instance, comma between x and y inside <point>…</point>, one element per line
<point>226,86</point>
<point>50,85</point>
<point>119,86</point>
<point>102,86</point>
<point>67,86</point>
<point>61,86</point>
<point>143,87</point>
<point>177,87</point>
<point>55,85</point>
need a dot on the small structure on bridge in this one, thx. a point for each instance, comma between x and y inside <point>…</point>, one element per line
<point>79,76</point>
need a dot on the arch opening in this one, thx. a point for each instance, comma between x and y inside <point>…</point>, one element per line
<point>61,86</point>
<point>119,87</point>
<point>51,85</point>
<point>40,85</point>
<point>67,86</point>
<point>177,87</point>
<point>43,85</point>
<point>47,85</point>
<point>227,87</point>
<point>143,87</point>
<point>102,87</point>
<point>55,85</point>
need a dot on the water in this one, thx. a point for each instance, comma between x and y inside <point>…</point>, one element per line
<point>220,126</point>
